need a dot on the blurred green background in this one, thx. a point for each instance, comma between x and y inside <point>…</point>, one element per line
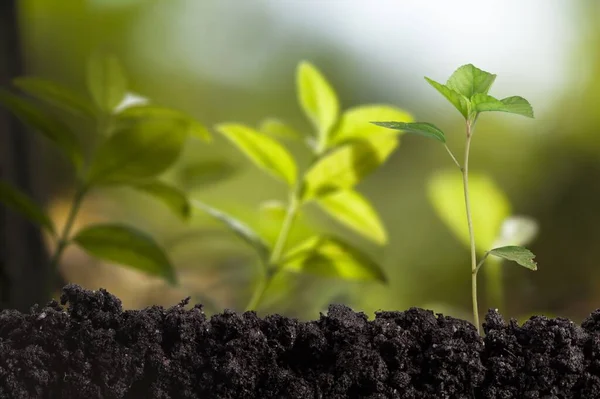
<point>234,61</point>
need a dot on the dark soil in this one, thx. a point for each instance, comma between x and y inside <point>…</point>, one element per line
<point>90,348</point>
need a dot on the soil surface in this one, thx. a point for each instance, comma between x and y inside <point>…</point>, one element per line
<point>88,347</point>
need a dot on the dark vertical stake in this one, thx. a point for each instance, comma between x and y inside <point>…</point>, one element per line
<point>24,266</point>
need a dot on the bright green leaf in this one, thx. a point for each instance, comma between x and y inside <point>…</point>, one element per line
<point>331,257</point>
<point>127,246</point>
<point>276,128</point>
<point>273,209</point>
<point>106,81</point>
<point>138,113</point>
<point>347,165</point>
<point>355,122</point>
<point>353,210</point>
<point>489,206</point>
<point>265,152</point>
<point>424,129</point>
<point>56,131</point>
<point>522,256</point>
<point>460,102</point>
<point>141,151</point>
<point>318,100</point>
<point>19,202</point>
<point>514,105</point>
<point>469,80</point>
<point>56,95</point>
<point>241,229</point>
<point>171,196</point>
<point>204,173</point>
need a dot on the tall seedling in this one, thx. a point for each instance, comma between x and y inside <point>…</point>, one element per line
<point>345,148</point>
<point>136,142</point>
<point>467,90</point>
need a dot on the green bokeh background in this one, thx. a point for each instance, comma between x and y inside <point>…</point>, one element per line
<point>234,61</point>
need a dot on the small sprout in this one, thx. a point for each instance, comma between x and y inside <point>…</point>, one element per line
<point>467,90</point>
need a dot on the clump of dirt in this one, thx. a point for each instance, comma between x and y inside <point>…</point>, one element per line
<point>88,347</point>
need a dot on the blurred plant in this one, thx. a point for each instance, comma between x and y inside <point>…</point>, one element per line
<point>345,148</point>
<point>467,89</point>
<point>493,222</point>
<point>137,141</point>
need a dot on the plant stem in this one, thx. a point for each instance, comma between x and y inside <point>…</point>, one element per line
<point>465,174</point>
<point>64,238</point>
<point>271,268</point>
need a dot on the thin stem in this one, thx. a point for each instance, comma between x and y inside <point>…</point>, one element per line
<point>452,156</point>
<point>271,268</point>
<point>481,262</point>
<point>465,173</point>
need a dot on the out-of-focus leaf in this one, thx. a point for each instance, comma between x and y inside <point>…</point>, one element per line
<point>355,122</point>
<point>331,257</point>
<point>513,105</point>
<point>106,81</point>
<point>239,228</point>
<point>56,131</point>
<point>56,95</point>
<point>469,80</point>
<point>353,210</point>
<point>424,129</point>
<point>131,100</point>
<point>522,256</point>
<point>318,100</point>
<point>460,102</point>
<point>19,202</point>
<point>276,128</point>
<point>516,230</point>
<point>171,196</point>
<point>135,114</point>
<point>141,151</point>
<point>204,173</point>
<point>273,209</point>
<point>263,151</point>
<point>489,206</point>
<point>127,246</point>
<point>346,165</point>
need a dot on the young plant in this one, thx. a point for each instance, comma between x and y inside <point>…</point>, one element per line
<point>345,148</point>
<point>135,142</point>
<point>467,90</point>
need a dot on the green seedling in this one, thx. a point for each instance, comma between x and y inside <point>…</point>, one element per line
<point>467,90</point>
<point>344,148</point>
<point>135,142</point>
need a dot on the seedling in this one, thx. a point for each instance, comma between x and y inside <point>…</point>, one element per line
<point>136,142</point>
<point>345,148</point>
<point>467,90</point>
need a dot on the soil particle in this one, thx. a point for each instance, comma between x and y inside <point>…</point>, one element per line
<point>86,346</point>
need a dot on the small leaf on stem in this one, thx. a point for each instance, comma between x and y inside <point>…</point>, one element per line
<point>469,80</point>
<point>106,81</point>
<point>204,173</point>
<point>424,129</point>
<point>460,102</point>
<point>522,256</point>
<point>276,128</point>
<point>171,196</point>
<point>514,105</point>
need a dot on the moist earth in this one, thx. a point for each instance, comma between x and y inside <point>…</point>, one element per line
<point>86,346</point>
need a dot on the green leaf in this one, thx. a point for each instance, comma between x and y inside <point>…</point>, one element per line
<point>141,151</point>
<point>241,229</point>
<point>353,210</point>
<point>56,95</point>
<point>516,230</point>
<point>276,128</point>
<point>489,206</point>
<point>263,151</point>
<point>171,196</point>
<point>347,165</point>
<point>522,256</point>
<point>204,173</point>
<point>514,105</point>
<point>460,102</point>
<point>138,113</point>
<point>318,100</point>
<point>19,202</point>
<point>355,122</point>
<point>331,257</point>
<point>56,131</point>
<point>106,81</point>
<point>469,80</point>
<point>127,246</point>
<point>273,209</point>
<point>424,129</point>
